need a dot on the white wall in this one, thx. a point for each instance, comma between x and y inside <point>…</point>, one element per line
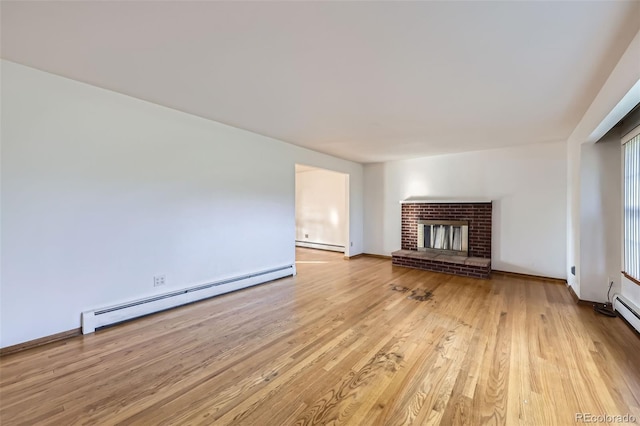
<point>618,96</point>
<point>573,216</point>
<point>101,191</point>
<point>600,217</point>
<point>527,185</point>
<point>321,208</point>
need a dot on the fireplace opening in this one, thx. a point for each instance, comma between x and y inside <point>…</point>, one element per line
<point>444,236</point>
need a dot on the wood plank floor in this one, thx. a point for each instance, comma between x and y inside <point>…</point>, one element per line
<point>345,342</point>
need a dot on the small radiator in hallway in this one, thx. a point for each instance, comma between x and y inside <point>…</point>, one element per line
<point>91,320</point>
<point>628,310</point>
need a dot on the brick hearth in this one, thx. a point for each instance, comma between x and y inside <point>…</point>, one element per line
<point>478,214</point>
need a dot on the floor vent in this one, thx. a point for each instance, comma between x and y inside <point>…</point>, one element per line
<point>92,320</point>
<point>628,310</point>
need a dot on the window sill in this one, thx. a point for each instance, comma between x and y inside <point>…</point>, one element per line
<point>630,278</point>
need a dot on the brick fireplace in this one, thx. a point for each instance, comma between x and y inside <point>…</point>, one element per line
<point>477,216</point>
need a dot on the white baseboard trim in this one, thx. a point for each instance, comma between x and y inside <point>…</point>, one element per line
<point>628,310</point>
<point>320,246</point>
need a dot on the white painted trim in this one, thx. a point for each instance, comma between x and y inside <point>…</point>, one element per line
<point>619,303</point>
<point>347,217</point>
<point>631,134</point>
<point>614,100</point>
<point>114,314</point>
<point>622,108</point>
<point>320,246</point>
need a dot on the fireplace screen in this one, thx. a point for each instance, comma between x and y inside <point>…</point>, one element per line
<point>443,236</point>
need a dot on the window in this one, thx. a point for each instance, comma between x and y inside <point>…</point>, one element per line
<point>632,208</point>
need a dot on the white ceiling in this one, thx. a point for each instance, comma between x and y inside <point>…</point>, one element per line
<point>363,81</point>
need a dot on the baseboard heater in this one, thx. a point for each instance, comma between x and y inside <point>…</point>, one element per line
<point>628,310</point>
<point>320,246</point>
<point>92,320</point>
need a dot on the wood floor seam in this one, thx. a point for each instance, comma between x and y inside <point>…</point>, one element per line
<point>353,342</point>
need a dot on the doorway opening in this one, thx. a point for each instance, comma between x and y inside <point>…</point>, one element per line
<point>322,209</point>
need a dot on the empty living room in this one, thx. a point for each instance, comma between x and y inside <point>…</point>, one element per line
<point>319,212</point>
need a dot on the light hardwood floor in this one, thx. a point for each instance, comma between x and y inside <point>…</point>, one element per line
<point>345,342</point>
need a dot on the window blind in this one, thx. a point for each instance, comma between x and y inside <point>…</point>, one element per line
<point>632,208</point>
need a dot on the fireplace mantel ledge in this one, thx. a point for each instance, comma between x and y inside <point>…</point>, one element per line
<point>416,200</point>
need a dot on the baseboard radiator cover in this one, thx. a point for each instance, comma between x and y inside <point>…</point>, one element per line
<point>320,246</point>
<point>92,320</point>
<point>628,310</point>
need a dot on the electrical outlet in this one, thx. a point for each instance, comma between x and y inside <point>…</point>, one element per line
<point>306,235</point>
<point>159,280</point>
<point>351,243</point>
